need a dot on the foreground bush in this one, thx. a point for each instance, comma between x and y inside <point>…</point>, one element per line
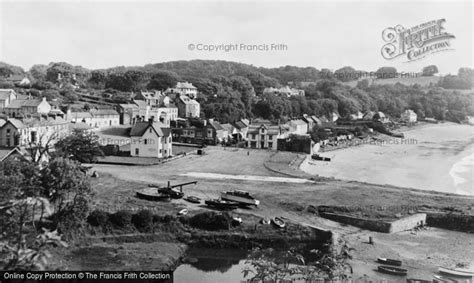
<point>211,221</point>
<point>121,218</point>
<point>98,218</point>
<point>143,220</point>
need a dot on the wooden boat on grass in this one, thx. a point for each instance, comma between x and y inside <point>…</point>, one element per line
<point>242,197</point>
<point>221,204</point>
<point>265,221</point>
<point>392,270</point>
<point>320,158</point>
<point>279,222</point>
<point>152,194</point>
<point>414,280</point>
<point>389,261</point>
<point>442,279</point>
<point>456,272</point>
<point>183,212</point>
<point>192,199</point>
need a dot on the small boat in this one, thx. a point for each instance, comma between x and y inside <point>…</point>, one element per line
<point>242,197</point>
<point>183,212</point>
<point>192,199</point>
<point>389,261</point>
<point>221,204</point>
<point>279,222</point>
<point>265,221</point>
<point>442,279</point>
<point>392,270</point>
<point>414,280</point>
<point>320,158</point>
<point>455,272</point>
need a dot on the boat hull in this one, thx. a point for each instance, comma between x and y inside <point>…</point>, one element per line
<point>457,273</point>
<point>221,204</point>
<point>389,261</point>
<point>278,222</point>
<point>241,200</point>
<point>392,270</point>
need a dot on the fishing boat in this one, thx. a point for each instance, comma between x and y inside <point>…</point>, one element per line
<point>392,270</point>
<point>414,280</point>
<point>183,212</point>
<point>265,221</point>
<point>455,272</point>
<point>192,199</point>
<point>241,197</point>
<point>221,204</point>
<point>279,222</point>
<point>389,261</point>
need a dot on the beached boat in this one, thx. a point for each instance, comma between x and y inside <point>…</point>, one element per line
<point>279,222</point>
<point>152,194</point>
<point>221,204</point>
<point>192,199</point>
<point>389,261</point>
<point>241,197</point>
<point>392,270</point>
<point>265,221</point>
<point>320,158</point>
<point>442,279</point>
<point>183,212</point>
<point>456,272</point>
<point>414,280</point>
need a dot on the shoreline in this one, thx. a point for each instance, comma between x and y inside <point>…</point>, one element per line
<point>424,165</point>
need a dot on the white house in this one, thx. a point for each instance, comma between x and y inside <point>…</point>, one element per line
<point>409,116</point>
<point>150,139</point>
<point>182,88</point>
<point>298,127</point>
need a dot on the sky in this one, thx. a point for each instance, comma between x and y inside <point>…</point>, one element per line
<point>320,34</point>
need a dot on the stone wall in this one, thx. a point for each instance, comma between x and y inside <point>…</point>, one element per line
<point>408,223</point>
<point>403,224</point>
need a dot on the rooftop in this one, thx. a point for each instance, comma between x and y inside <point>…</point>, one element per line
<point>140,128</point>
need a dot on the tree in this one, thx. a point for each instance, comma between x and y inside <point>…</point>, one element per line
<point>80,145</point>
<point>163,80</point>
<point>270,265</point>
<point>66,185</point>
<point>38,72</point>
<point>429,71</point>
<point>346,74</point>
<point>386,73</point>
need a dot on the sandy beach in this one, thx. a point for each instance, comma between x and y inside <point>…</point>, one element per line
<point>431,157</point>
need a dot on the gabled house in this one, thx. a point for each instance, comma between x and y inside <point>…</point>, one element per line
<point>241,127</point>
<point>215,133</point>
<point>298,127</point>
<point>263,135</point>
<point>150,139</point>
<point>28,106</point>
<point>152,98</point>
<point>182,88</point>
<point>6,97</point>
<point>187,107</point>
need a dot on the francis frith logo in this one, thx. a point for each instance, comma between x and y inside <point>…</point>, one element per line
<point>417,42</point>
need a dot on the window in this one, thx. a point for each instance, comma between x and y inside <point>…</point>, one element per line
<point>150,130</point>
<point>253,136</point>
<point>136,151</point>
<point>146,141</point>
<point>270,145</point>
<point>270,137</point>
<point>161,150</point>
